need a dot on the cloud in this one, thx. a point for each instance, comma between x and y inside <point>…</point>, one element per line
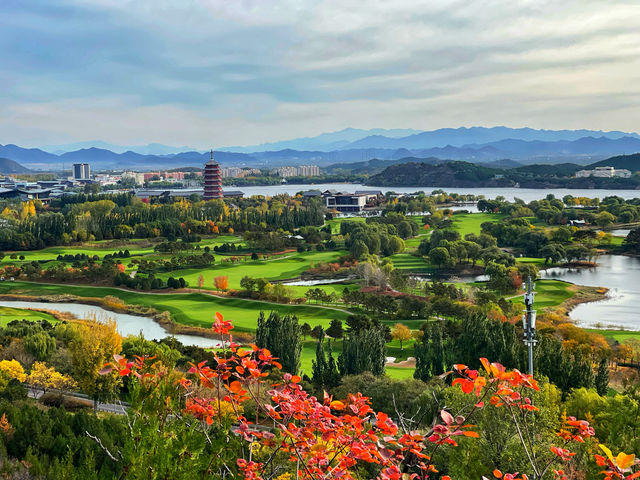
<point>245,72</point>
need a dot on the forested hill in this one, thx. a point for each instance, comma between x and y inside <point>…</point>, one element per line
<point>446,174</point>
<point>464,174</point>
<point>9,166</point>
<point>628,162</point>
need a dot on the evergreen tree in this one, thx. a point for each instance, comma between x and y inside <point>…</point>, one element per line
<point>335,329</point>
<point>324,368</point>
<point>430,353</point>
<point>281,335</point>
<point>602,377</point>
<point>363,351</point>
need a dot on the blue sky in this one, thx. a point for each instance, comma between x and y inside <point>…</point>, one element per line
<point>232,72</point>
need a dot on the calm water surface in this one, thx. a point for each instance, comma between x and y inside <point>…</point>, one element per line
<point>622,307</point>
<point>127,324</point>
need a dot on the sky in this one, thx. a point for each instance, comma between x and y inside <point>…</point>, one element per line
<point>242,72</point>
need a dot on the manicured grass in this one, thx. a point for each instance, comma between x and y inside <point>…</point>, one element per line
<point>410,263</point>
<point>335,223</point>
<point>8,314</point>
<point>197,309</point>
<point>105,247</point>
<point>618,335</point>
<point>471,222</point>
<point>534,260</point>
<point>549,293</point>
<point>289,266</point>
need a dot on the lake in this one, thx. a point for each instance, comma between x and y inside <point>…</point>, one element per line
<point>526,194</point>
<point>621,275</point>
<point>127,324</point>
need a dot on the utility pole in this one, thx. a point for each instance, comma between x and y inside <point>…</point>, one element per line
<point>529,321</point>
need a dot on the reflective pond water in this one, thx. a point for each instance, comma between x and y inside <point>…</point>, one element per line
<point>127,324</point>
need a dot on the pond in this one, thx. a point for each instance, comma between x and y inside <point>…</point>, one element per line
<point>621,308</point>
<point>127,324</point>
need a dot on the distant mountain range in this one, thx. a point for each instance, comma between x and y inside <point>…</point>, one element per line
<point>9,166</point>
<point>149,149</point>
<point>479,145</point>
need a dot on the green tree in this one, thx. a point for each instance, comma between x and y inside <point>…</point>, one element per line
<point>602,377</point>
<point>363,351</point>
<point>439,256</point>
<point>281,335</point>
<point>335,329</point>
<point>324,368</point>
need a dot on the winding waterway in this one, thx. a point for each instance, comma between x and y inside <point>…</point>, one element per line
<point>126,324</point>
<point>621,308</point>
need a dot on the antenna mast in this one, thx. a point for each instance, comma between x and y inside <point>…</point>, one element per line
<point>529,321</point>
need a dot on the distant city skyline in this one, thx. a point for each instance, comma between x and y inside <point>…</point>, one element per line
<point>218,73</point>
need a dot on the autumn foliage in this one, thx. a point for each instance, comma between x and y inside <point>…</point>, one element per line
<point>221,282</point>
<point>294,432</point>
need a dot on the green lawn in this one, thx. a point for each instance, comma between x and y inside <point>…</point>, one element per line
<point>471,222</point>
<point>410,263</point>
<point>286,267</point>
<point>618,335</point>
<point>8,314</point>
<point>105,247</point>
<point>197,309</point>
<point>548,293</point>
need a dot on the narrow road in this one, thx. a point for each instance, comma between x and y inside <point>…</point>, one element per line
<point>115,408</point>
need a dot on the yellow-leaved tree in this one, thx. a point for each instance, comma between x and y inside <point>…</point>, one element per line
<point>13,369</point>
<point>46,378</point>
<point>94,344</point>
<point>401,333</point>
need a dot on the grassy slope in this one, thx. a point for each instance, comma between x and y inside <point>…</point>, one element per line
<point>105,247</point>
<point>281,269</point>
<point>549,293</point>
<point>196,309</point>
<point>8,314</point>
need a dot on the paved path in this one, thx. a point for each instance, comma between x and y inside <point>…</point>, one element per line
<point>116,408</point>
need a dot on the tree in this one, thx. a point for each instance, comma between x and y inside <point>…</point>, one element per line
<point>324,367</point>
<point>13,369</point>
<point>200,281</point>
<point>248,283</point>
<point>46,378</point>
<point>335,329</point>
<point>221,282</point>
<point>305,330</point>
<point>317,332</point>
<point>359,249</point>
<point>363,351</point>
<point>604,219</point>
<point>439,256</point>
<point>281,336</point>
<point>94,344</point>
<point>401,333</point>
<point>602,377</point>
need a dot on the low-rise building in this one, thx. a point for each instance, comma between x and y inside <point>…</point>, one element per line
<point>345,202</point>
<point>604,172</point>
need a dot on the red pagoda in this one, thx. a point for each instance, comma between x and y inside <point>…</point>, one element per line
<point>212,179</point>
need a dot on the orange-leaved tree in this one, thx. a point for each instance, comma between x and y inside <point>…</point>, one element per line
<point>286,430</point>
<point>221,282</point>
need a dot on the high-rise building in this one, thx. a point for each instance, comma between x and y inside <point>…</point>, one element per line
<point>81,171</point>
<point>308,171</point>
<point>212,179</point>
